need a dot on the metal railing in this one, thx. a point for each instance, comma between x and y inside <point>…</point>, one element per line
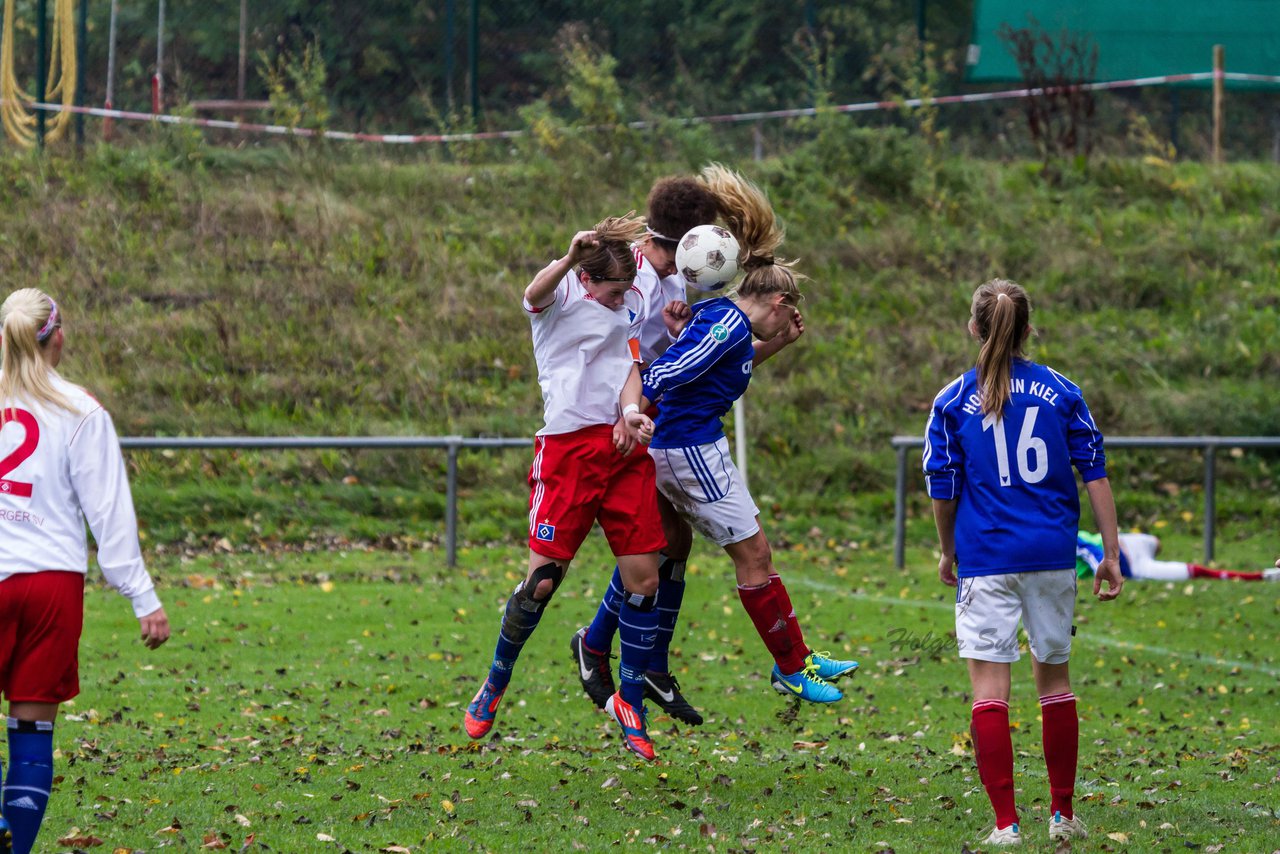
<point>451,444</point>
<point>1209,444</point>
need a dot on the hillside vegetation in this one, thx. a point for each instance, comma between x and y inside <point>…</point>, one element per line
<point>274,291</point>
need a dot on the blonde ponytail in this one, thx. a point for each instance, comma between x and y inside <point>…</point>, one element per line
<point>1001,314</point>
<point>747,213</point>
<point>28,321</point>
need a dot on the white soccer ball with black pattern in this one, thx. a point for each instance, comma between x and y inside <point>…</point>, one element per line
<point>707,257</point>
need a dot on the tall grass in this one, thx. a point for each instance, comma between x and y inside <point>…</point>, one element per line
<point>279,292</point>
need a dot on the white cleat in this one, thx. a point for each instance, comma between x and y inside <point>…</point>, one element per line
<point>1066,828</point>
<point>1003,836</point>
<point>1271,574</point>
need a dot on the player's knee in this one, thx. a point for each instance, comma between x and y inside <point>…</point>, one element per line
<point>536,591</point>
<point>640,600</point>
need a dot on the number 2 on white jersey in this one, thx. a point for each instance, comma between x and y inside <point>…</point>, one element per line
<point>31,438</point>
<point>1028,445</point>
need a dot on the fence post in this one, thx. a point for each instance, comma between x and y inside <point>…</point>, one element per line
<point>451,504</point>
<point>900,510</point>
<point>1218,65</point>
<point>1210,502</point>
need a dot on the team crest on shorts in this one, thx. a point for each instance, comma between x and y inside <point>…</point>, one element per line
<point>545,532</point>
<point>719,332</point>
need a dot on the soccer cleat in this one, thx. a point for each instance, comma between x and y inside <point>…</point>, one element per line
<point>806,685</point>
<point>829,668</point>
<point>1002,836</point>
<point>1271,574</point>
<point>593,669</point>
<point>664,690</point>
<point>6,836</point>
<point>634,734</point>
<point>483,709</point>
<point>1066,828</point>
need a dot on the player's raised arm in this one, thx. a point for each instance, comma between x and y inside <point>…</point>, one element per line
<point>789,335</point>
<point>539,292</point>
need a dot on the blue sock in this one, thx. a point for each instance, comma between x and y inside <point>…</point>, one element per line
<point>637,629</point>
<point>26,789</point>
<point>605,625</point>
<point>670,595</point>
<point>518,622</point>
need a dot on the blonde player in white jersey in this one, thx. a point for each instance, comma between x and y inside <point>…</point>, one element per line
<point>60,467</point>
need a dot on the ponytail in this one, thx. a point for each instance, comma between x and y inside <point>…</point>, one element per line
<point>748,214</point>
<point>29,319</point>
<point>1001,315</point>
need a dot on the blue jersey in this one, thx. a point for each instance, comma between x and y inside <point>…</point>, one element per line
<point>1019,506</point>
<point>701,375</point>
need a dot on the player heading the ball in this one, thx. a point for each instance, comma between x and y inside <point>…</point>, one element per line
<point>585,315</point>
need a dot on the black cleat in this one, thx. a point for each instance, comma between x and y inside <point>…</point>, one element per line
<point>593,670</point>
<point>664,690</point>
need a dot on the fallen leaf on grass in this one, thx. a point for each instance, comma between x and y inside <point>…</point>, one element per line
<point>1118,837</point>
<point>82,841</point>
<point>213,841</point>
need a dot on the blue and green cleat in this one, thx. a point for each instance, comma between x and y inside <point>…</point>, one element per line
<point>6,836</point>
<point>829,668</point>
<point>805,685</point>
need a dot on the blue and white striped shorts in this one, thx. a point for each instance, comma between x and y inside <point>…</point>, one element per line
<point>704,485</point>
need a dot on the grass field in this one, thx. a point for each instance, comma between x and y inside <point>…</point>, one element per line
<point>313,702</point>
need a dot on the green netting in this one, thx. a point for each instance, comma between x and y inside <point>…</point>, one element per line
<point>1137,38</point>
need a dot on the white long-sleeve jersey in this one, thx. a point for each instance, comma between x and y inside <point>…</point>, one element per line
<point>58,470</point>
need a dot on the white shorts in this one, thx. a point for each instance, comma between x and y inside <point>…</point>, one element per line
<point>705,487</point>
<point>988,609</point>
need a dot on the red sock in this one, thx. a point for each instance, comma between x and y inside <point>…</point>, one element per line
<point>993,750</point>
<point>1061,734</point>
<point>793,624</point>
<point>1198,571</point>
<point>770,619</point>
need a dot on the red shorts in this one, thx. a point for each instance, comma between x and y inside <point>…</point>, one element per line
<point>41,616</point>
<point>578,478</point>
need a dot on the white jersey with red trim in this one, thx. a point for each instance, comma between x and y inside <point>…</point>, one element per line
<point>584,353</point>
<point>658,291</point>
<point>58,470</point>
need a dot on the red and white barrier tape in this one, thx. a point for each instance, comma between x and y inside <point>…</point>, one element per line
<point>867,106</point>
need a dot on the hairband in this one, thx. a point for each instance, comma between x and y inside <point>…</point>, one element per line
<point>1003,294</point>
<point>50,324</point>
<point>660,236</point>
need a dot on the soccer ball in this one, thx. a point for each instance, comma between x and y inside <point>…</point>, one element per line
<point>707,257</point>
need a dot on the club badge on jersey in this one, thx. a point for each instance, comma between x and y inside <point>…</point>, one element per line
<point>546,533</point>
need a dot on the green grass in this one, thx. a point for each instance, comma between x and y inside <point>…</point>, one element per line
<point>270,291</point>
<point>320,695</point>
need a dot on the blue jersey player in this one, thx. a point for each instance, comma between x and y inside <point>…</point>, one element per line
<point>1003,445</point>
<point>698,379</point>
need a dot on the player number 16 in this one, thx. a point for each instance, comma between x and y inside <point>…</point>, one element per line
<point>1032,471</point>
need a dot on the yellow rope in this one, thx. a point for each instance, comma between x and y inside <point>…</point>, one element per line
<point>15,114</point>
